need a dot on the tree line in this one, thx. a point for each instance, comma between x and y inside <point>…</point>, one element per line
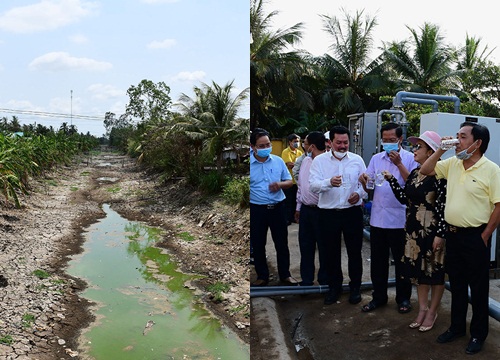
<point>191,138</point>
<point>293,91</point>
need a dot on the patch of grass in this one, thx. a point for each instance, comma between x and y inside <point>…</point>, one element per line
<point>113,189</point>
<point>85,173</point>
<point>27,320</point>
<point>217,289</point>
<point>6,340</point>
<point>236,309</point>
<point>216,240</point>
<point>73,188</point>
<point>51,182</point>
<point>41,274</point>
<point>186,236</point>
<point>58,281</point>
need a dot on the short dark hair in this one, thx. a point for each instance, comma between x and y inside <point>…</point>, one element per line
<point>479,132</point>
<point>390,126</point>
<point>317,139</point>
<point>339,129</point>
<point>292,137</point>
<point>256,134</point>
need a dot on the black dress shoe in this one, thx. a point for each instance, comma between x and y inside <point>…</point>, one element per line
<point>448,336</point>
<point>475,345</point>
<point>260,282</point>
<point>355,296</point>
<point>331,297</point>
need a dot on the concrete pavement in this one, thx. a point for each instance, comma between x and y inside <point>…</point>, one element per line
<point>301,327</point>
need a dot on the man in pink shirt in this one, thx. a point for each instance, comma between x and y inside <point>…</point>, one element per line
<point>306,215</point>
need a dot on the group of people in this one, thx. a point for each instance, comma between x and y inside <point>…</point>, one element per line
<point>417,214</point>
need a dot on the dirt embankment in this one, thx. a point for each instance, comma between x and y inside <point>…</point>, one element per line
<point>42,315</point>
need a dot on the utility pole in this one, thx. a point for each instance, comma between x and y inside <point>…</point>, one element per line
<point>71,119</point>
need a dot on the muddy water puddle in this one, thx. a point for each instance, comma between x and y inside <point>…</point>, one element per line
<point>145,307</point>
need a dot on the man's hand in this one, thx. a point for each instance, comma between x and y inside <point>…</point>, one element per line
<point>395,158</point>
<point>353,198</point>
<point>336,181</point>
<point>275,186</point>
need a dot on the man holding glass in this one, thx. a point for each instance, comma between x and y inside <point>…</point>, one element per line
<point>387,220</point>
<point>334,176</point>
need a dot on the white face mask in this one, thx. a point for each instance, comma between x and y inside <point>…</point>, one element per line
<point>339,155</point>
<point>464,155</point>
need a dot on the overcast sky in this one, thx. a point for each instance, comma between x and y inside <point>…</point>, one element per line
<point>478,18</point>
<point>79,57</point>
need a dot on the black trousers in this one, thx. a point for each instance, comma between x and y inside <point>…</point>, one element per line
<point>261,220</point>
<point>291,202</point>
<point>349,224</point>
<point>309,237</point>
<point>467,264</point>
<point>381,242</point>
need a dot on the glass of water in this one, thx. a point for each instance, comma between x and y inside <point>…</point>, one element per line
<point>346,181</point>
<point>370,182</point>
<point>379,179</point>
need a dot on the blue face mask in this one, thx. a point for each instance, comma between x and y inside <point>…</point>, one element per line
<point>388,147</point>
<point>263,153</point>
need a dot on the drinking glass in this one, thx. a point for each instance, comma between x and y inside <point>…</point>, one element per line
<point>346,181</point>
<point>379,179</point>
<point>370,182</point>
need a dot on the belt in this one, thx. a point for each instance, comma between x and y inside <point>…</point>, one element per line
<point>271,206</point>
<point>311,206</point>
<point>458,229</point>
<point>343,209</point>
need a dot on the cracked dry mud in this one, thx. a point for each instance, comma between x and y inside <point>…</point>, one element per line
<point>48,229</point>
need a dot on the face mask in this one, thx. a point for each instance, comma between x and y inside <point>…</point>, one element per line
<point>295,145</point>
<point>263,153</point>
<point>339,155</point>
<point>464,155</point>
<point>309,154</point>
<point>388,147</point>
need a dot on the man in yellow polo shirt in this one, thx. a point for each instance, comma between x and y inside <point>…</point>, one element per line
<point>473,213</point>
<point>289,155</point>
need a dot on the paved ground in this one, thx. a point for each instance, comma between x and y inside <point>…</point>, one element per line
<point>300,327</point>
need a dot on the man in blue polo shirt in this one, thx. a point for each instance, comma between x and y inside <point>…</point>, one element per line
<point>268,177</point>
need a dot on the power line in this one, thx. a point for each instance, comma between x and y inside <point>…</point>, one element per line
<point>55,115</point>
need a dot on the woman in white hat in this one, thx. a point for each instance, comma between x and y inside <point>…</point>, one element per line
<point>425,227</point>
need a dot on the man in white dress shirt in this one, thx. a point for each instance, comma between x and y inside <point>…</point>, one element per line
<point>334,176</point>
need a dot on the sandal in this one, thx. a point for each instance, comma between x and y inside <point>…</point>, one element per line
<point>404,307</point>
<point>370,306</point>
<point>416,324</point>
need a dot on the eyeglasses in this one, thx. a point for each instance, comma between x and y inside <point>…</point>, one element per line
<point>417,147</point>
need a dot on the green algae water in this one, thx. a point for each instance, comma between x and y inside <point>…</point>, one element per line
<point>145,307</point>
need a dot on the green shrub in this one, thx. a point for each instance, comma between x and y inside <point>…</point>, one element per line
<point>212,182</point>
<point>237,192</point>
<point>217,289</point>
<point>41,274</point>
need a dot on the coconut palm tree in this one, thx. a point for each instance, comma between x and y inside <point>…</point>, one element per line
<point>275,69</point>
<point>423,63</point>
<point>471,59</point>
<point>212,116</point>
<point>351,79</point>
